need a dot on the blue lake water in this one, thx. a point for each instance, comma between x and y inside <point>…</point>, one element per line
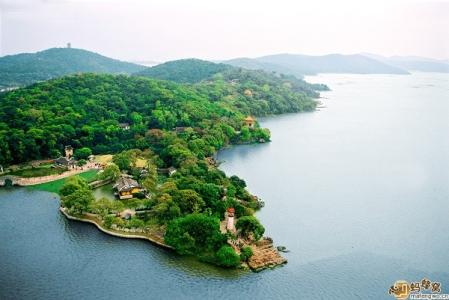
<point>358,191</point>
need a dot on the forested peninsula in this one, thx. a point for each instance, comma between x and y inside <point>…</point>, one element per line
<point>169,125</point>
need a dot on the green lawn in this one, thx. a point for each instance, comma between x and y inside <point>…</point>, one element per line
<point>37,172</point>
<point>54,186</point>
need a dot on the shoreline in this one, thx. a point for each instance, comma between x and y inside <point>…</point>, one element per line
<point>153,240</point>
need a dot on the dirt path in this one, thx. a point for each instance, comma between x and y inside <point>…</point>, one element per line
<point>44,179</point>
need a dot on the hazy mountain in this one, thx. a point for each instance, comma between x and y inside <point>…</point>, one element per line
<point>298,65</point>
<point>414,63</point>
<point>254,64</point>
<point>26,68</point>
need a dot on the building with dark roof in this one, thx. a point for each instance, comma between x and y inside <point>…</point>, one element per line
<point>127,187</point>
<point>64,162</point>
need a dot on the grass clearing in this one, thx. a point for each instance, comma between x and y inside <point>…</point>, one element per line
<point>103,159</point>
<point>55,186</point>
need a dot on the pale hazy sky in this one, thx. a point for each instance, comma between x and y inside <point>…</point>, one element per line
<point>218,29</point>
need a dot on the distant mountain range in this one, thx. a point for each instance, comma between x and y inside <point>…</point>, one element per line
<point>26,68</point>
<point>413,63</point>
<point>299,65</point>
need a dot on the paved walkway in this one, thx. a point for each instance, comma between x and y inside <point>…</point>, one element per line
<point>44,179</point>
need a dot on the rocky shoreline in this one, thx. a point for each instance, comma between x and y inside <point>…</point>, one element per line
<point>265,256</point>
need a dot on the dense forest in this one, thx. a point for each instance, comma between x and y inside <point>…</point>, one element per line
<point>26,68</point>
<point>85,111</point>
<point>184,70</point>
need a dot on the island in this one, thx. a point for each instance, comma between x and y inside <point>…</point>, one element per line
<point>154,143</point>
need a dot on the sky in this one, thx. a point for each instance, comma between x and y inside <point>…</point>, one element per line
<point>161,30</point>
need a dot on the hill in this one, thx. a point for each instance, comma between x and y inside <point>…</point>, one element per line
<point>299,65</point>
<point>184,70</point>
<point>254,64</point>
<point>414,63</point>
<point>85,111</point>
<point>26,68</point>
<point>220,81</point>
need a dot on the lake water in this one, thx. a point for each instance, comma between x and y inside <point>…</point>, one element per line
<point>358,191</point>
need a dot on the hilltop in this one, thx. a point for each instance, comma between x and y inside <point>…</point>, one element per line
<point>184,70</point>
<point>254,92</point>
<point>26,68</point>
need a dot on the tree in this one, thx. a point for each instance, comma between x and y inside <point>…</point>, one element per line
<point>195,234</point>
<point>126,160</point>
<point>111,172</point>
<point>105,206</point>
<point>83,153</point>
<point>79,201</point>
<point>227,257</point>
<point>245,253</point>
<point>150,184</point>
<point>166,209</point>
<point>250,225</point>
<point>122,160</point>
<point>73,184</point>
<point>81,162</point>
<point>189,201</point>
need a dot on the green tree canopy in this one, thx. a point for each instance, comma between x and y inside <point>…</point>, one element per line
<point>83,153</point>
<point>110,172</point>
<point>250,225</point>
<point>227,257</point>
<point>195,234</point>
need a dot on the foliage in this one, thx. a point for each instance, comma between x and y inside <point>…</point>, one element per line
<point>83,153</point>
<point>250,225</point>
<point>195,234</point>
<point>81,162</point>
<point>184,70</point>
<point>245,253</point>
<point>166,209</point>
<point>189,201</point>
<point>111,171</point>
<point>73,184</point>
<point>227,257</point>
<point>104,207</point>
<point>76,195</point>
<point>85,110</point>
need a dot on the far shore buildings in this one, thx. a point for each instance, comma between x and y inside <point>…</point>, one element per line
<point>127,187</point>
<point>250,121</point>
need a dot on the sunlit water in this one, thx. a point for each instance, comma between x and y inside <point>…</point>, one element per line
<point>358,192</point>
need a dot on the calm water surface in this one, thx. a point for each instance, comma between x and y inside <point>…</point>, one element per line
<point>358,191</point>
